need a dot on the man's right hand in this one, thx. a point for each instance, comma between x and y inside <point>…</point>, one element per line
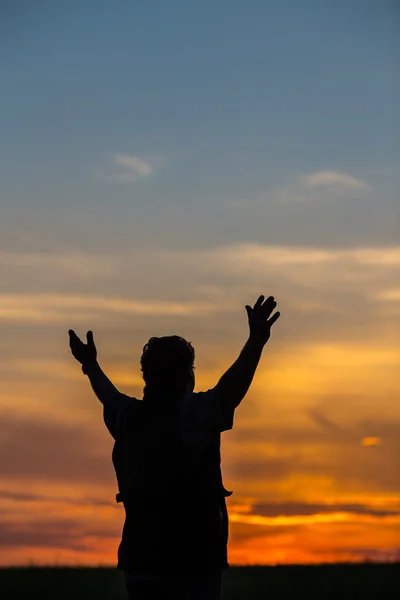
<point>83,353</point>
<point>260,322</point>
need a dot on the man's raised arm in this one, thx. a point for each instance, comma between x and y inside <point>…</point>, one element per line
<point>104,389</point>
<point>111,399</point>
<point>234,384</point>
<point>86,354</point>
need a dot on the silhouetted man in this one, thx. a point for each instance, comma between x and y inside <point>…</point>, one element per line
<point>168,465</point>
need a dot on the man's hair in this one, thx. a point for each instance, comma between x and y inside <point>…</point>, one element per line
<point>165,363</point>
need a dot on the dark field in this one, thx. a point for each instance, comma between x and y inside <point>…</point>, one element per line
<point>358,582</point>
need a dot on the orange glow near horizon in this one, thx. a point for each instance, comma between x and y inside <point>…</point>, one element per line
<point>311,457</point>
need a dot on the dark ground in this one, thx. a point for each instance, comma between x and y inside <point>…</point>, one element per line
<point>326,582</point>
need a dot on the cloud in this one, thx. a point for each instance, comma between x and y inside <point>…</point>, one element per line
<point>75,263</point>
<point>45,308</point>
<point>327,424</point>
<point>248,467</point>
<point>248,256</point>
<point>285,459</point>
<point>276,509</point>
<point>389,295</point>
<point>133,168</point>
<point>315,188</point>
<point>334,178</point>
<point>28,497</point>
<point>371,441</point>
<point>198,268</point>
<point>48,450</point>
<point>337,542</point>
<point>125,168</point>
<point>323,293</point>
<point>312,519</point>
<point>140,166</point>
<point>247,531</point>
<point>368,555</point>
<point>51,533</point>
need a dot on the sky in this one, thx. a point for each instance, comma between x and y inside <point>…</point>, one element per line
<point>162,164</point>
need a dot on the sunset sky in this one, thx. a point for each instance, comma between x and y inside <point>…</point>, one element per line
<point>162,164</point>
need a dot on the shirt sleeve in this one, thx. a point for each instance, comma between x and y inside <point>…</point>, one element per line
<point>112,414</point>
<point>204,413</point>
<point>113,401</point>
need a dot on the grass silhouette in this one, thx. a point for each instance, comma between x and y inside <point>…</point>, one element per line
<point>322,582</point>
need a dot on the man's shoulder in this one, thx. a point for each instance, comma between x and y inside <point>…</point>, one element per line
<point>134,401</point>
<point>132,405</point>
<point>206,408</point>
<point>200,405</point>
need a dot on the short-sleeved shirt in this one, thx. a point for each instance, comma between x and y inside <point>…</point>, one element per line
<point>188,533</point>
<point>201,415</point>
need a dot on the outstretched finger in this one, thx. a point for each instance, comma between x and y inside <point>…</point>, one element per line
<point>72,336</point>
<point>89,338</point>
<point>259,302</point>
<point>248,310</point>
<point>269,302</point>
<point>274,318</point>
<point>74,340</point>
<point>269,306</point>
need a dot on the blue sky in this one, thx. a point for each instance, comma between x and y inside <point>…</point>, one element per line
<point>225,101</point>
<point>162,164</point>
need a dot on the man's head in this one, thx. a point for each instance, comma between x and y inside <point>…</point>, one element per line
<point>167,365</point>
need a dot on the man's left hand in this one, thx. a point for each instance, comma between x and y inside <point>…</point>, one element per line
<point>83,353</point>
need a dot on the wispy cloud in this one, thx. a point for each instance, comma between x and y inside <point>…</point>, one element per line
<point>389,295</point>
<point>58,308</point>
<point>279,509</point>
<point>60,533</point>
<point>26,452</point>
<point>238,256</point>
<point>310,519</point>
<point>125,168</point>
<point>71,262</point>
<point>334,178</point>
<point>206,275</point>
<point>315,187</point>
<point>252,259</point>
<point>29,497</point>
